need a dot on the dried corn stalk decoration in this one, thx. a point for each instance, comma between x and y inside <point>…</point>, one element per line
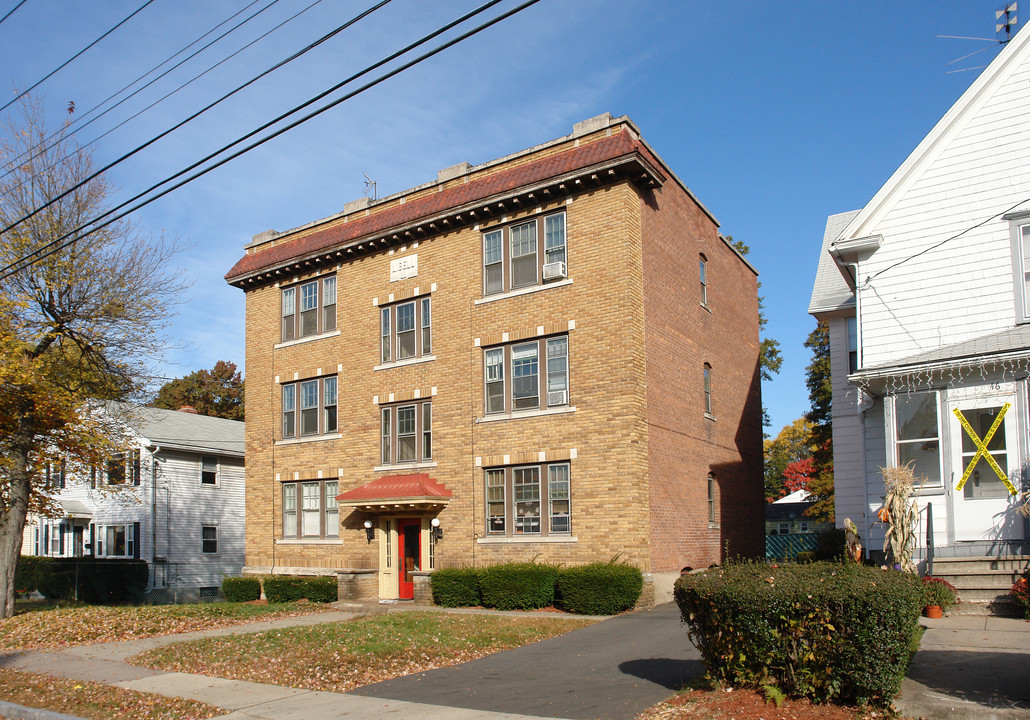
<point>900,513</point>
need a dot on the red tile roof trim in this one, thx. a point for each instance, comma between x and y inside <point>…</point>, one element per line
<point>599,151</point>
<point>397,487</point>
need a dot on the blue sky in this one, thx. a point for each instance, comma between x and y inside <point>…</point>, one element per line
<point>774,114</point>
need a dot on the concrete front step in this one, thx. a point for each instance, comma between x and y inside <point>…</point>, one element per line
<point>983,582</point>
<point>1000,607</point>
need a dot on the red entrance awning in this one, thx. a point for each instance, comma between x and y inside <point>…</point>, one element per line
<point>417,491</point>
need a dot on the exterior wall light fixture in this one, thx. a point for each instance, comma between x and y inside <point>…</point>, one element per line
<point>369,532</point>
<point>437,530</point>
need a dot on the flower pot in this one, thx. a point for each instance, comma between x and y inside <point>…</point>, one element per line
<point>933,611</point>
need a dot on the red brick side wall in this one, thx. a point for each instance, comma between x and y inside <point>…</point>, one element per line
<point>684,445</point>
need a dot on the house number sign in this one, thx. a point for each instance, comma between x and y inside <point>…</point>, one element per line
<point>981,448</point>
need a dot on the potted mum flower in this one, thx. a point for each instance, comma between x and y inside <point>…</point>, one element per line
<point>938,596</point>
<point>1020,591</point>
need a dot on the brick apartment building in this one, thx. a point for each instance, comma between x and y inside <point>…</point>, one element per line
<point>550,356</point>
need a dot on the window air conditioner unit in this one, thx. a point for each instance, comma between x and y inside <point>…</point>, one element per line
<point>558,397</point>
<point>553,271</point>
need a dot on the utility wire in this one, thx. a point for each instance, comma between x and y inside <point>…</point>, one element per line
<point>59,243</point>
<point>77,124</point>
<point>198,113</point>
<point>942,242</point>
<point>73,57</point>
<point>11,11</point>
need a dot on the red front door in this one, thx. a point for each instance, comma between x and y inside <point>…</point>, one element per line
<point>410,552</point>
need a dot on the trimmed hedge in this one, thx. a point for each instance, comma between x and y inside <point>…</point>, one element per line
<point>823,630</point>
<point>599,588</point>
<point>456,587</point>
<point>100,581</point>
<point>241,589</point>
<point>288,588</point>
<point>518,586</point>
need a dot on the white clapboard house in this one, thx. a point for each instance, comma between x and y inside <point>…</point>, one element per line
<point>175,500</point>
<point>926,291</point>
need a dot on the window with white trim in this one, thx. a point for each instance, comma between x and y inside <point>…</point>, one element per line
<point>703,262</point>
<point>851,326</point>
<point>532,384</point>
<point>513,257</point>
<point>916,434</point>
<point>310,509</point>
<point>209,539</point>
<point>309,308</point>
<point>711,500</point>
<point>123,468</point>
<point>55,475</point>
<point>406,433</point>
<point>708,389</point>
<point>115,540</point>
<point>208,470</point>
<point>309,407</point>
<point>528,500</point>
<point>405,330</point>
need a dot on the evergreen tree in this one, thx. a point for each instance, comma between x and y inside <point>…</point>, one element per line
<point>217,392</point>
<point>820,395</point>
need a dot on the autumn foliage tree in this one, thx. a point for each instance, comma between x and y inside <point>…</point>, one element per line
<point>217,392</point>
<point>783,453</point>
<point>78,324</point>
<point>820,394</point>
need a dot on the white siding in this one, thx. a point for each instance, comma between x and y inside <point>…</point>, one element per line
<point>849,494</point>
<point>963,289</point>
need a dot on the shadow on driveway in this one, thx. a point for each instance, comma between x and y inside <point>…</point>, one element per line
<point>611,670</point>
<point>994,679</point>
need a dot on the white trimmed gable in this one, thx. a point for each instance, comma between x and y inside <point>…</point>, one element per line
<point>943,274</point>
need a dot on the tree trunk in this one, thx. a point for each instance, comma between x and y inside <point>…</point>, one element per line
<point>12,521</point>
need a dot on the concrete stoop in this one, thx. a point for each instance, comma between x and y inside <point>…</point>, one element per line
<point>983,583</point>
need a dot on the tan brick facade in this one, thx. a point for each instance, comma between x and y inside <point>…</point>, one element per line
<point>633,433</point>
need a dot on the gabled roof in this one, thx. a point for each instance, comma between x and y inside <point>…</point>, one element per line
<point>174,430</point>
<point>830,291</point>
<point>983,88</point>
<point>417,490</point>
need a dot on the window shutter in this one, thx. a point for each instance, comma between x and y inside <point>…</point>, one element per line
<point>92,540</point>
<point>135,540</point>
<point>60,539</point>
<point>46,539</point>
<point>135,467</point>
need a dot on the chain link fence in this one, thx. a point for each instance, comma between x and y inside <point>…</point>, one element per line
<point>787,547</point>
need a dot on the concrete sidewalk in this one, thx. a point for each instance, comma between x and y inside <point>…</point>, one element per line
<point>969,668</point>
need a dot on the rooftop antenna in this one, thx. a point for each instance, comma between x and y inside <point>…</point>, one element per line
<point>1005,21</point>
<point>370,188</point>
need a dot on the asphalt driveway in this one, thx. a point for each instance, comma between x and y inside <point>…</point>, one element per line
<point>611,671</point>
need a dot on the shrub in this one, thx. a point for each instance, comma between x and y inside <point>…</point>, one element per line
<point>456,587</point>
<point>241,589</point>
<point>518,586</point>
<point>100,581</point>
<point>599,588</point>
<point>806,556</point>
<point>289,588</point>
<point>938,591</point>
<point>822,630</point>
<point>26,572</point>
<point>321,589</point>
<point>830,544</point>
<point>1020,591</point>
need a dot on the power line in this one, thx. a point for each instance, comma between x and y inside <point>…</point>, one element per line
<point>11,11</point>
<point>200,112</point>
<point>58,244</point>
<point>942,242</point>
<point>82,126</point>
<point>73,57</point>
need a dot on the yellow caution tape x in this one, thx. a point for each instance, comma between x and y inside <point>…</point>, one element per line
<point>981,448</point>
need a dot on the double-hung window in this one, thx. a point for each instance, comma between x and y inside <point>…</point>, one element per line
<point>208,470</point>
<point>708,389</point>
<point>529,500</point>
<point>405,330</point>
<point>115,540</point>
<point>309,308</point>
<point>521,362</point>
<point>209,539</point>
<point>310,509</point>
<point>406,433</point>
<point>704,279</point>
<point>316,401</point>
<point>513,257</point>
<point>124,467</point>
<point>916,435</point>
